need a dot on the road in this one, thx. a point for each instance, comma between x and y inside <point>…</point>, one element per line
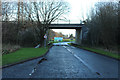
<point>66,62</point>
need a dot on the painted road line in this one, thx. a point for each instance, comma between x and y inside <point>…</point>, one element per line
<point>68,49</point>
<point>93,70</point>
<point>35,68</point>
<point>72,47</point>
<point>32,71</point>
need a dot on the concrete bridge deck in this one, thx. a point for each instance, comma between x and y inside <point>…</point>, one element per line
<point>77,27</point>
<point>66,26</point>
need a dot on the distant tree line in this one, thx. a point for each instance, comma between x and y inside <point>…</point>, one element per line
<point>103,27</point>
<point>26,23</point>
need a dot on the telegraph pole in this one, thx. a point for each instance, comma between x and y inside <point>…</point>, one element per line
<point>69,21</point>
<point>18,17</point>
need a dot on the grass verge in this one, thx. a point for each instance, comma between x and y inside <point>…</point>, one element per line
<point>106,53</point>
<point>64,40</point>
<point>22,54</point>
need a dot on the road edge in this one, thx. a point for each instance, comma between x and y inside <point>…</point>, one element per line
<point>96,53</point>
<point>26,59</point>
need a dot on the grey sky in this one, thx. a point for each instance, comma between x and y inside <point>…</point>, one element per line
<point>79,10</point>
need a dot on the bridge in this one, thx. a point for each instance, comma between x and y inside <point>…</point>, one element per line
<point>77,27</point>
<point>66,26</point>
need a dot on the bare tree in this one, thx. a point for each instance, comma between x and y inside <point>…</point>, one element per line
<point>103,25</point>
<point>44,13</point>
<point>37,15</point>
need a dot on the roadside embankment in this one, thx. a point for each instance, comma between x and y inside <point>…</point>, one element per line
<point>23,55</point>
<point>98,51</point>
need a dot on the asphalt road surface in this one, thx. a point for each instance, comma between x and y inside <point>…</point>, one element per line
<point>66,62</point>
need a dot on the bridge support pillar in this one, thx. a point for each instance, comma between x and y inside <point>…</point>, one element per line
<point>78,36</point>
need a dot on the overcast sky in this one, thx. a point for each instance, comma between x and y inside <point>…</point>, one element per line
<point>79,10</point>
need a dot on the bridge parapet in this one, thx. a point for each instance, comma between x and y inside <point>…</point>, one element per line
<point>66,26</point>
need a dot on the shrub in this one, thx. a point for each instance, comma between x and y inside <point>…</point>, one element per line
<point>8,48</point>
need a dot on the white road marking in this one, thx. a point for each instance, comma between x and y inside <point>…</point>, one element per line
<point>81,61</point>
<point>32,71</point>
<point>78,58</point>
<point>72,47</point>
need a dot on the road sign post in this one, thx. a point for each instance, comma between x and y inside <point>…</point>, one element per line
<point>45,37</point>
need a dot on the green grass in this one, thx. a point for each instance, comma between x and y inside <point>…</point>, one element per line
<point>64,40</point>
<point>107,53</point>
<point>22,54</point>
<point>69,43</point>
<point>114,55</point>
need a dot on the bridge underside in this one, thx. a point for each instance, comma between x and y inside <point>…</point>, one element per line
<point>78,36</point>
<point>65,26</point>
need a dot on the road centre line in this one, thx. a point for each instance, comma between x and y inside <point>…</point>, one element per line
<point>93,70</point>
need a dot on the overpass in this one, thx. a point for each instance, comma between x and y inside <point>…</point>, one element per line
<point>77,27</point>
<point>66,26</point>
